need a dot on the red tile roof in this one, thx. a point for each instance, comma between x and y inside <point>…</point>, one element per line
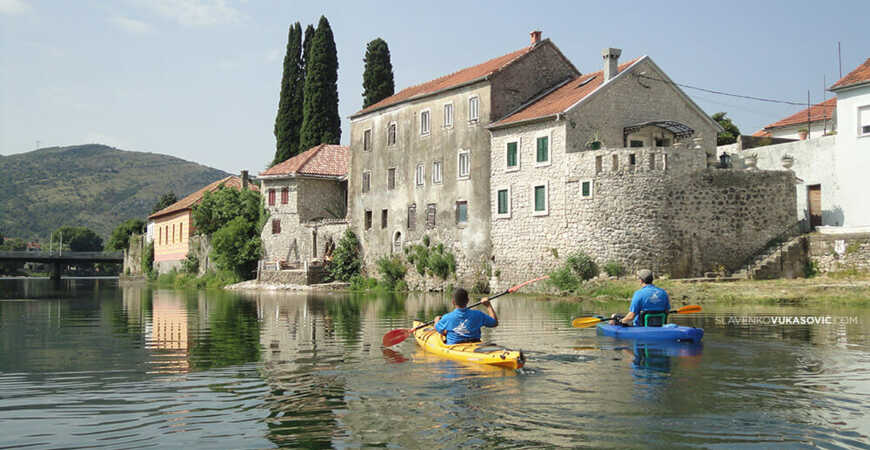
<point>323,160</point>
<point>762,133</point>
<point>452,80</point>
<point>820,111</point>
<point>231,181</point>
<point>562,98</point>
<point>858,76</point>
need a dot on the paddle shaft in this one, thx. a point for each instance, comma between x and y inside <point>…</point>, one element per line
<point>472,306</point>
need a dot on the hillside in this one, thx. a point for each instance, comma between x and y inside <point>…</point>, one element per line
<point>88,185</point>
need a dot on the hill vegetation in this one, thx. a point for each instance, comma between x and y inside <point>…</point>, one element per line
<point>93,186</point>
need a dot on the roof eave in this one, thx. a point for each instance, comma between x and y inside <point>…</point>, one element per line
<point>497,126</point>
<point>847,87</point>
<point>359,114</point>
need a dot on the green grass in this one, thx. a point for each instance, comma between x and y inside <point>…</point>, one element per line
<point>211,280</point>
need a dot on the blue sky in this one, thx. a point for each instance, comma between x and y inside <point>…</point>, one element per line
<point>199,79</point>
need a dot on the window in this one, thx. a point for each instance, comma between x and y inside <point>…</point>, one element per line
<point>474,109</point>
<point>543,153</point>
<point>513,160</point>
<point>436,172</point>
<point>173,234</point>
<point>420,173</point>
<point>503,206</point>
<point>383,218</point>
<point>662,142</point>
<point>285,196</point>
<point>448,115</point>
<point>367,140</point>
<point>181,232</point>
<point>430,215</point>
<point>864,121</point>
<point>635,143</point>
<point>367,181</point>
<point>271,197</point>
<point>276,226</point>
<point>652,161</point>
<point>586,189</point>
<point>391,134</point>
<point>664,161</point>
<point>160,235</point>
<point>541,201</point>
<point>412,216</point>
<point>615,163</point>
<point>391,178</point>
<point>461,212</point>
<point>598,164</point>
<point>424,122</point>
<point>464,164</point>
<point>368,223</point>
<point>632,161</point>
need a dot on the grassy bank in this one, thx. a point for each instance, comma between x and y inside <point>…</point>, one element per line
<point>181,280</point>
<point>824,289</point>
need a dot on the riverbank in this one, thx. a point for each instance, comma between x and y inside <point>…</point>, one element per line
<point>254,285</point>
<point>799,291</point>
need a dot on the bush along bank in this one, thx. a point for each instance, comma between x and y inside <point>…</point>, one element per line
<point>427,258</point>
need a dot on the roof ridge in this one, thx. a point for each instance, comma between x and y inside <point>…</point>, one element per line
<point>314,150</point>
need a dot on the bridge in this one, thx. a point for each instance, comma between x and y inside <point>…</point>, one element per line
<point>59,259</point>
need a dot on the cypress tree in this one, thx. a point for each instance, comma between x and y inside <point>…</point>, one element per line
<point>289,119</point>
<point>378,75</point>
<point>306,46</point>
<point>321,123</point>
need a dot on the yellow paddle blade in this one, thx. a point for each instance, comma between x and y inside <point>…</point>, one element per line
<point>689,309</point>
<point>584,322</point>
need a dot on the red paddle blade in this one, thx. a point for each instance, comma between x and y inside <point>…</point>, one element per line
<point>517,287</point>
<point>394,337</point>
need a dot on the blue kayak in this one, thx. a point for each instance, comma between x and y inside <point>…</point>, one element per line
<point>670,332</point>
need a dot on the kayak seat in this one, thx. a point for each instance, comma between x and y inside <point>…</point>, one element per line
<point>653,318</point>
<point>488,348</point>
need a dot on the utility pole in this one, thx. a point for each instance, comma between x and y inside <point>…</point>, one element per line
<point>840,58</point>
<point>808,113</point>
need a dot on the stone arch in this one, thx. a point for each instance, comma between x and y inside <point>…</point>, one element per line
<point>397,241</point>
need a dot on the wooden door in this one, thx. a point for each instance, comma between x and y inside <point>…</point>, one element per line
<point>814,204</point>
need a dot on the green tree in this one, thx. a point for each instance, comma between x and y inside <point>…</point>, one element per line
<point>346,261</point>
<point>321,123</point>
<point>120,238</point>
<point>378,75</point>
<point>289,118</point>
<point>12,244</point>
<point>731,133</point>
<point>237,247</point>
<point>306,48</point>
<point>164,201</point>
<point>218,208</point>
<point>79,239</point>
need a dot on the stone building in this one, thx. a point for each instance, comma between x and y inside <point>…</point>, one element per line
<point>172,228</point>
<point>618,164</point>
<point>420,158</point>
<point>306,197</point>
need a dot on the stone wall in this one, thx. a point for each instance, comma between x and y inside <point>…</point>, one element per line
<point>133,255</point>
<point>838,252</point>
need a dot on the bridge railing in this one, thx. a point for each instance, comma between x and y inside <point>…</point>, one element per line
<point>55,254</point>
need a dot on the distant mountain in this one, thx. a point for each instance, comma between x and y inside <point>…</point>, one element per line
<point>88,185</point>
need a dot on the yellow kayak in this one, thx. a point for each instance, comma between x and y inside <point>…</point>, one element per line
<point>474,352</point>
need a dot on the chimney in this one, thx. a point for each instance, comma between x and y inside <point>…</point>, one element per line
<point>611,62</point>
<point>245,180</point>
<point>536,37</point>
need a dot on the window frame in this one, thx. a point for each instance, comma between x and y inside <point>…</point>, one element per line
<point>517,166</point>
<point>395,134</point>
<point>420,175</point>
<point>411,223</point>
<point>591,189</point>
<point>434,209</point>
<point>459,175</point>
<point>368,139</point>
<point>475,118</point>
<point>456,208</point>
<point>452,115</point>
<point>546,210</point>
<point>276,226</point>
<point>391,178</point>
<point>507,214</point>
<point>385,218</point>
<point>271,196</point>
<point>549,135</point>
<point>861,112</point>
<point>367,220</point>
<point>285,195</point>
<point>439,172</point>
<point>428,113</point>
<point>366,182</point>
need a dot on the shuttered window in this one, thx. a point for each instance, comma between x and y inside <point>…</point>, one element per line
<point>512,154</point>
<point>271,197</point>
<point>412,217</point>
<point>543,153</point>
<point>461,212</point>
<point>430,215</point>
<point>285,196</point>
<point>276,226</point>
<point>503,202</point>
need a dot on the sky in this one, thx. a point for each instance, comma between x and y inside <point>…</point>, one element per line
<point>199,79</point>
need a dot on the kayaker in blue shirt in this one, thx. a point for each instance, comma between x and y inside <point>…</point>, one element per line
<point>463,324</point>
<point>649,298</point>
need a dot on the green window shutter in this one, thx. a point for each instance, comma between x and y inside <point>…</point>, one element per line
<point>543,149</point>
<point>503,201</point>
<point>512,154</point>
<point>586,188</point>
<point>540,198</point>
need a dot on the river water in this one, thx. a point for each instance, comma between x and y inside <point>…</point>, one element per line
<point>97,365</point>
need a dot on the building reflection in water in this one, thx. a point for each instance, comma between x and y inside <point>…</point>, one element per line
<point>167,333</point>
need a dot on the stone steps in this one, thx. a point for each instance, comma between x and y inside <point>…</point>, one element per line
<point>767,264</point>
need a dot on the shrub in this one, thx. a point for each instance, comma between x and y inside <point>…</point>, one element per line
<point>564,279</point>
<point>811,269</point>
<point>361,283</point>
<point>392,270</point>
<point>582,265</point>
<point>346,262</point>
<point>191,263</point>
<point>237,247</point>
<point>614,269</point>
<point>148,260</point>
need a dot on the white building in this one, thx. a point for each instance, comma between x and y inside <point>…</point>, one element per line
<point>818,120</point>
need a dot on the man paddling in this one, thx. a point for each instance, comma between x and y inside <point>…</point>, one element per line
<point>648,299</point>
<point>463,324</point>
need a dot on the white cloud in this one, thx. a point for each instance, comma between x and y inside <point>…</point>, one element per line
<point>195,12</point>
<point>131,25</point>
<point>13,7</point>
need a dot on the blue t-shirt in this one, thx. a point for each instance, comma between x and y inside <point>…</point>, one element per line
<point>649,298</point>
<point>463,324</point>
